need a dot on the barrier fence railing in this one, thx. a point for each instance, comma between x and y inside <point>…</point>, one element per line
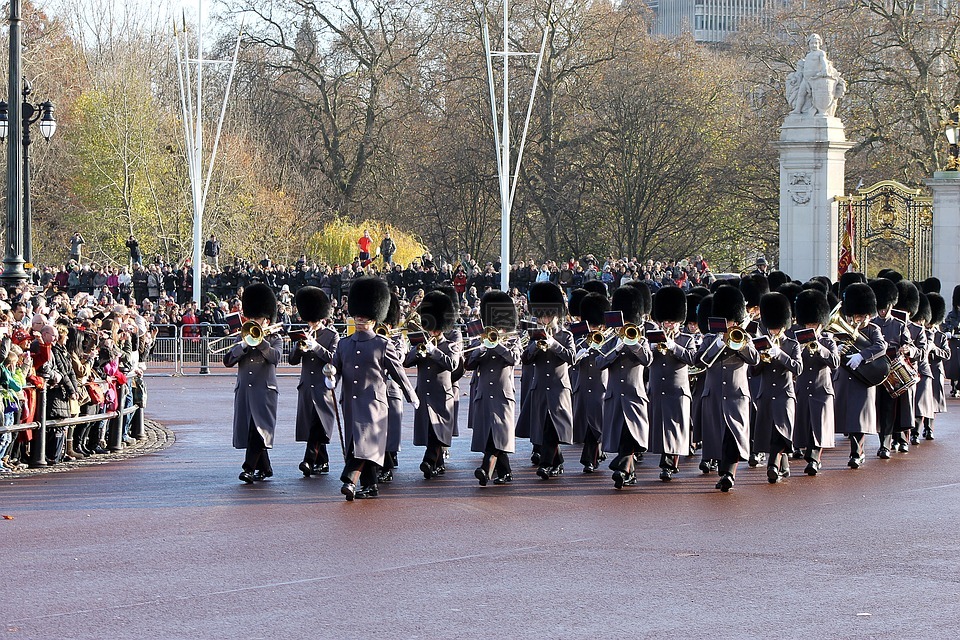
<point>115,419</point>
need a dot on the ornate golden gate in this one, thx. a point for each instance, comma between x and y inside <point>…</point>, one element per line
<point>893,228</point>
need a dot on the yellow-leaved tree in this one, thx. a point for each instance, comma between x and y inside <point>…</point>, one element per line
<point>336,243</point>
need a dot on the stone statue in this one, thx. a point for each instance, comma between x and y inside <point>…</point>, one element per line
<point>815,86</point>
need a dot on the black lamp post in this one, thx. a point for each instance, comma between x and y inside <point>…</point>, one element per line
<point>952,130</point>
<point>48,126</point>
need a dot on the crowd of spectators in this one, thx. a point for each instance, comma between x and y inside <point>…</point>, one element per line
<point>83,353</point>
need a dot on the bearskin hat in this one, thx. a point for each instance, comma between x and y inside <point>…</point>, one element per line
<point>908,297</point>
<point>436,312</point>
<point>704,311</point>
<point>885,291</point>
<point>693,301</point>
<point>859,299</point>
<point>592,308</point>
<point>956,297</point>
<point>701,291</point>
<point>833,299</point>
<point>791,290</point>
<point>629,300</point>
<point>848,278</point>
<point>931,285</point>
<point>573,304</point>
<point>313,304</point>
<point>813,308</point>
<point>815,284</point>
<point>938,308</point>
<point>546,299</point>
<point>259,301</point>
<point>670,305</point>
<point>890,274</point>
<point>646,296</point>
<point>596,286</point>
<point>369,298</point>
<point>497,309</point>
<point>777,278</point>
<point>775,311</point>
<point>393,312</point>
<point>753,288</point>
<point>729,303</point>
<point>450,292</point>
<point>924,313</point>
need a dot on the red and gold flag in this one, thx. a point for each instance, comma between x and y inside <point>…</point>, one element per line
<point>847,262</point>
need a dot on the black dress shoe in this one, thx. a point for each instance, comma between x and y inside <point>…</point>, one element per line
<point>439,471</point>
<point>774,475</point>
<point>756,459</point>
<point>797,454</point>
<point>481,474</point>
<point>914,439</point>
<point>321,469</point>
<point>543,472</point>
<point>535,459</point>
<point>928,434</point>
<point>883,453</point>
<point>601,457</point>
<point>349,490</point>
<point>306,468</point>
<point>247,477</point>
<point>556,471</point>
<point>726,482</point>
<point>589,468</point>
<point>630,480</point>
<point>262,475</point>
<point>427,470</point>
<point>855,462</point>
<point>618,479</point>
<point>367,492</point>
<point>666,475</point>
<point>504,479</point>
<point>812,468</point>
<point>704,466</point>
<point>903,447</point>
<point>385,476</point>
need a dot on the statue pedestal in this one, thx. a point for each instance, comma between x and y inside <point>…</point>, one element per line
<point>812,166</point>
<point>945,186</point>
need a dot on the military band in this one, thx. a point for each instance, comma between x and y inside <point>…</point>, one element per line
<point>750,370</point>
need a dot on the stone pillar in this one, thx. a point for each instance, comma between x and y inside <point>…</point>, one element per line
<point>812,163</point>
<point>945,186</point>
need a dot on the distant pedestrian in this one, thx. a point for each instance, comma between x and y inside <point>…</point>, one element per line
<point>76,242</point>
<point>135,256</point>
<point>364,244</point>
<point>211,250</point>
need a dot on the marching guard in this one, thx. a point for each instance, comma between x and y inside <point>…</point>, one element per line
<point>394,395</point>
<point>256,355</point>
<point>436,359</point>
<point>776,396</point>
<point>894,414</point>
<point>625,421</point>
<point>925,407</point>
<point>815,426</point>
<point>670,393</point>
<point>939,354</point>
<point>493,405</point>
<point>363,361</point>
<point>590,383</point>
<point>316,404</point>
<point>725,412</point>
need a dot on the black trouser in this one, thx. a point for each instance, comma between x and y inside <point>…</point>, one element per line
<point>812,454</point>
<point>500,459</point>
<point>729,454</point>
<point>56,443</point>
<point>856,444</point>
<point>358,469</point>
<point>780,448</point>
<point>257,458</point>
<point>317,441</point>
<point>888,415</point>
<point>433,456</point>
<point>390,461</point>
<point>625,450</point>
<point>550,454</point>
<point>670,462</point>
<point>591,449</point>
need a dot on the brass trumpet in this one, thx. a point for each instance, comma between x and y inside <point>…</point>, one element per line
<point>736,338</point>
<point>595,339</point>
<point>491,335</point>
<point>385,331</point>
<point>422,347</point>
<point>630,334</point>
<point>254,333</point>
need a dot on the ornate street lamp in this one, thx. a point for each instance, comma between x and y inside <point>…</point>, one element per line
<point>30,114</point>
<point>952,130</point>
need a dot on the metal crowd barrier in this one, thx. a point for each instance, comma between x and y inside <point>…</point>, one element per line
<point>38,446</point>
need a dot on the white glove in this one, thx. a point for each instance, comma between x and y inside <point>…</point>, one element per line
<point>620,345</point>
<point>669,344</point>
<point>948,334</point>
<point>431,348</point>
<point>486,344</point>
<point>854,361</point>
<point>774,351</point>
<point>582,353</point>
<point>331,383</point>
<point>415,401</point>
<point>550,341</point>
<point>310,344</point>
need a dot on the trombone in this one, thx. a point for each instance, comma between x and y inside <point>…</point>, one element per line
<point>252,334</point>
<point>491,335</point>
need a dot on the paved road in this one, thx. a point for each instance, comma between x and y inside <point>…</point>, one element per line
<point>171,545</point>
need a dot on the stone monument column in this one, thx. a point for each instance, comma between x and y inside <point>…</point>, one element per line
<point>945,186</point>
<point>812,146</point>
